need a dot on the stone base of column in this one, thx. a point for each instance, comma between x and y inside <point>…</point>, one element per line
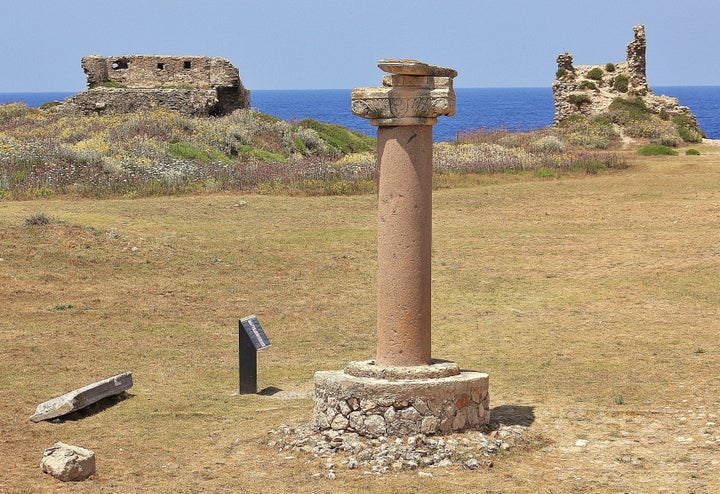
<point>400,404</point>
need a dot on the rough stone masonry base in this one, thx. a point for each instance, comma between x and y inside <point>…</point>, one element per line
<point>375,407</point>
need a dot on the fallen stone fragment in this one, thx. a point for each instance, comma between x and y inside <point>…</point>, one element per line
<point>68,463</point>
<point>82,397</point>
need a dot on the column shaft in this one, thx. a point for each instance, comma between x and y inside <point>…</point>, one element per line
<point>404,245</point>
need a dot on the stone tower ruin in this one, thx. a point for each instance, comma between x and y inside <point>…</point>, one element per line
<point>589,90</point>
<point>199,86</point>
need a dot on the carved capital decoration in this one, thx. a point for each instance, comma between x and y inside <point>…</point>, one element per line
<point>414,93</point>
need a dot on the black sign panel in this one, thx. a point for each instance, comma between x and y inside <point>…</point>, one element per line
<point>255,332</point>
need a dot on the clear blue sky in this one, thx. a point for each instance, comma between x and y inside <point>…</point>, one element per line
<point>324,44</point>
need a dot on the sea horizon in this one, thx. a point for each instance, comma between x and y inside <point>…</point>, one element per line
<point>511,108</point>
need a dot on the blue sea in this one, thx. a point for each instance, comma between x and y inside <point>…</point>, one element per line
<point>490,108</point>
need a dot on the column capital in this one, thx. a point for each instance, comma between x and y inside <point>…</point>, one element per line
<point>414,93</point>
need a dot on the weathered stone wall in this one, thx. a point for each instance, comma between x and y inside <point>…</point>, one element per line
<point>380,407</point>
<point>193,85</point>
<point>590,89</point>
<point>152,71</point>
<point>197,102</point>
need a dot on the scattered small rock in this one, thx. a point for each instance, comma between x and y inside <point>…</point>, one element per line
<point>581,443</point>
<point>382,454</point>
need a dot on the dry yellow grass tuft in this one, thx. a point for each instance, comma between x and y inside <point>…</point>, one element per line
<point>592,300</point>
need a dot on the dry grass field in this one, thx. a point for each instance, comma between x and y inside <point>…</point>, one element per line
<point>592,301</point>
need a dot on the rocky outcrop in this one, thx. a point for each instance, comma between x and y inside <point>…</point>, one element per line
<point>199,86</point>
<point>590,89</point>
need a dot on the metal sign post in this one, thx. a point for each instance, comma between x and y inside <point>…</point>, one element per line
<point>251,338</point>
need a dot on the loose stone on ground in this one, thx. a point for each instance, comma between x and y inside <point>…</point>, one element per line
<point>68,463</point>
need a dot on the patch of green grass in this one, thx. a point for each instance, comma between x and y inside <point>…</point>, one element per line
<point>344,140</point>
<point>544,173</point>
<point>249,152</point>
<point>692,152</point>
<point>188,151</point>
<point>657,150</point>
<point>300,145</point>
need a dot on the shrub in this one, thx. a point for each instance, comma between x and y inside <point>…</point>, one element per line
<point>687,128</point>
<point>621,83</point>
<point>597,133</point>
<point>561,73</point>
<point>578,100</point>
<point>668,140</point>
<point>50,104</point>
<point>38,219</point>
<point>549,144</point>
<point>609,67</point>
<point>692,152</point>
<point>595,73</point>
<point>588,85</point>
<point>13,111</point>
<point>691,135</point>
<point>657,150</point>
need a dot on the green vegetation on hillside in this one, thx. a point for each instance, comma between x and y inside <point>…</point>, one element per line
<point>53,152</point>
<point>631,116</point>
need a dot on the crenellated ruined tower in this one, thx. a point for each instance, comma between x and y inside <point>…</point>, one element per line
<point>590,89</point>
